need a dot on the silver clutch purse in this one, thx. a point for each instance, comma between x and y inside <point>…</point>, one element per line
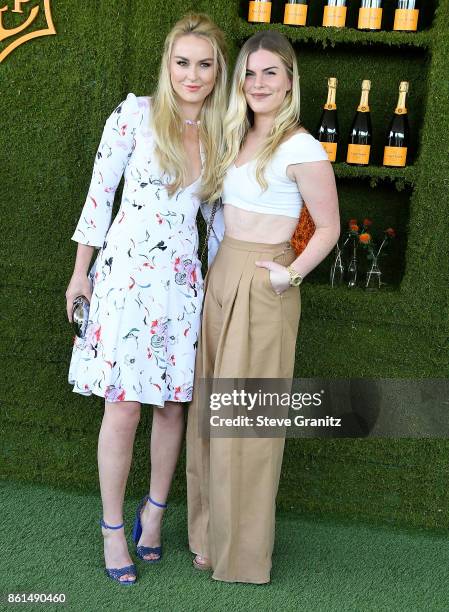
<point>81,305</point>
<point>80,315</point>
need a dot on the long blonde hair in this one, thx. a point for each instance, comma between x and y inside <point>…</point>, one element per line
<point>167,123</point>
<point>239,116</point>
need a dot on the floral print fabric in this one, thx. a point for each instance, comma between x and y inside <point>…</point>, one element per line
<point>145,309</point>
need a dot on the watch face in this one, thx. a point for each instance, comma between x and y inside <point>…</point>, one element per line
<point>295,278</point>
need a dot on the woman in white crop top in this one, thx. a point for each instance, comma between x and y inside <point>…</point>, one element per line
<point>252,303</point>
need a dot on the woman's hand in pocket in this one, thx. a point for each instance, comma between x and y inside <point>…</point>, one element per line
<point>279,275</point>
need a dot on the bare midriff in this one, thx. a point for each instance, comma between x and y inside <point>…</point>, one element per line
<point>258,227</point>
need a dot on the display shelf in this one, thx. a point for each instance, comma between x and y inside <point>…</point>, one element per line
<point>389,203</point>
<point>336,36</point>
<point>399,176</point>
<point>385,206</point>
<point>349,304</point>
<point>385,306</point>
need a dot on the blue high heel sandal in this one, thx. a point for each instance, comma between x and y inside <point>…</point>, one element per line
<point>117,573</point>
<point>141,551</point>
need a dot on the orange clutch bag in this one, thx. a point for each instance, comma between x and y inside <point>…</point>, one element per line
<point>303,232</point>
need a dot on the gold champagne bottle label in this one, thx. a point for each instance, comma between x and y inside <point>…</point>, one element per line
<point>331,150</point>
<point>406,20</point>
<point>334,16</point>
<point>363,106</point>
<point>395,156</point>
<point>259,12</point>
<point>295,14</point>
<point>401,108</point>
<point>358,154</point>
<point>370,18</point>
<point>331,94</point>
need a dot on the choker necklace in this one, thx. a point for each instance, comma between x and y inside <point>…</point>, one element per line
<point>191,122</point>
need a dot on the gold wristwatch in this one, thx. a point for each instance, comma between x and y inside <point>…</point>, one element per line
<point>295,277</point>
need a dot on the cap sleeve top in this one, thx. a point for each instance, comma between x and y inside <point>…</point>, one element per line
<point>282,196</point>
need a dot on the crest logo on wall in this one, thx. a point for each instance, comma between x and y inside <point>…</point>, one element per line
<point>23,20</point>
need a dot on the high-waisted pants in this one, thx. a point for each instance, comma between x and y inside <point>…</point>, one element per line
<point>248,331</point>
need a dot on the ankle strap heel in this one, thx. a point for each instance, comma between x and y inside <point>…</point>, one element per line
<point>155,503</point>
<point>115,573</point>
<point>106,526</point>
<point>143,551</point>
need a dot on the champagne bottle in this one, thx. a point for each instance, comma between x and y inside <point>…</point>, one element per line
<point>327,132</point>
<point>359,146</point>
<point>259,11</point>
<point>295,12</point>
<point>334,13</point>
<point>370,15</point>
<point>397,141</point>
<point>406,16</point>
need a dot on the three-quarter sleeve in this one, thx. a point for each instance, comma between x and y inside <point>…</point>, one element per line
<point>217,229</point>
<point>116,147</point>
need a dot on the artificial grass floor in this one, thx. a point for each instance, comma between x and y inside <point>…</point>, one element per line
<point>51,543</point>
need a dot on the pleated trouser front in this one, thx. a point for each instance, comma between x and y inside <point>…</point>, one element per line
<point>248,331</point>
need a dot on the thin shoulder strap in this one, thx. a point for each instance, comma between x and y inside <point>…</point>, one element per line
<point>215,207</point>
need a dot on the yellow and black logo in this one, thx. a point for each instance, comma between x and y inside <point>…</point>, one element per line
<point>23,20</point>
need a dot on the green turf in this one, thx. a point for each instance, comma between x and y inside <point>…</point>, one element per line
<point>51,543</point>
<point>59,90</point>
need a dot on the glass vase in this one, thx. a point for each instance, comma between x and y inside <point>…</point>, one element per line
<point>373,276</point>
<point>352,267</point>
<point>337,269</point>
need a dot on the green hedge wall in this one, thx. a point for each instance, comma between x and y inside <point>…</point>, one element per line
<point>56,94</point>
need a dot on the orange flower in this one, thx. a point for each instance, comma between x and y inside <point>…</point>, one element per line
<point>365,238</point>
<point>390,232</point>
<point>367,222</point>
<point>354,228</point>
<point>352,222</point>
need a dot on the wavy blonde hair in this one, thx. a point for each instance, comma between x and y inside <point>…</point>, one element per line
<point>239,117</point>
<point>166,119</point>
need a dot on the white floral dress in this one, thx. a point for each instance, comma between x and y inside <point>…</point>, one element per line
<point>147,295</point>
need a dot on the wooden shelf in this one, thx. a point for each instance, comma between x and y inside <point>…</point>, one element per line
<point>336,36</point>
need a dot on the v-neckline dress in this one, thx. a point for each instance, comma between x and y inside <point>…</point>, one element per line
<point>145,310</point>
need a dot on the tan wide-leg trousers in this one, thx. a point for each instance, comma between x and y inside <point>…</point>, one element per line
<point>248,331</point>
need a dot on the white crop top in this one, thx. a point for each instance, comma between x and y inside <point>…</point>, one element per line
<point>282,197</point>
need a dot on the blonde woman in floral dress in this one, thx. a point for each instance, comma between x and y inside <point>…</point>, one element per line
<point>146,288</point>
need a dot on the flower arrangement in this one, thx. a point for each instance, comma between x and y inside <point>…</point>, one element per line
<point>360,235</point>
